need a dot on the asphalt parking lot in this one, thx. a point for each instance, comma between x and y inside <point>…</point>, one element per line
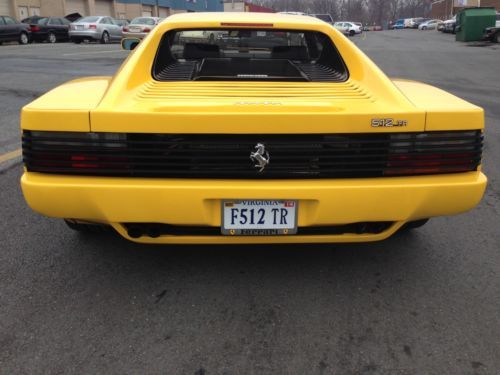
<point>426,302</point>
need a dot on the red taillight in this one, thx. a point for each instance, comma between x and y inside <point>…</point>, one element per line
<point>83,161</point>
<point>92,26</point>
<point>429,163</point>
<point>146,30</point>
<point>35,28</point>
<point>101,162</point>
<point>125,29</point>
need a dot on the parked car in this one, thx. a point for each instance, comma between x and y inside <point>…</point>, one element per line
<point>95,28</point>
<point>412,23</point>
<point>50,29</point>
<point>493,33</point>
<point>12,30</point>
<point>204,36</point>
<point>73,17</point>
<point>31,19</point>
<point>121,22</point>
<point>440,26</point>
<point>407,23</point>
<point>348,28</point>
<point>234,39</point>
<point>416,22</point>
<point>185,145</point>
<point>294,13</point>
<point>398,24</point>
<point>428,25</point>
<point>360,25</point>
<point>139,27</point>
<point>450,25</point>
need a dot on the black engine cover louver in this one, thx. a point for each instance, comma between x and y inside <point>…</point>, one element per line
<point>296,156</point>
<point>320,73</point>
<point>178,71</point>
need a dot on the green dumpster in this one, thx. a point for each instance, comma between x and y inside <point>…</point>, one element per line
<point>471,23</point>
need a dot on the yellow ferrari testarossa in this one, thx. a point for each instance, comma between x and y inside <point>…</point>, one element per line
<point>250,128</point>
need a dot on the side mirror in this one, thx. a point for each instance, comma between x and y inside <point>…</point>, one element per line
<point>129,44</point>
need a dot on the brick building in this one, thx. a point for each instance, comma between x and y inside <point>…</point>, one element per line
<point>21,9</point>
<point>445,9</point>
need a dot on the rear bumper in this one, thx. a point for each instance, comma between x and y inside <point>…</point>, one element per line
<point>140,35</point>
<point>197,202</point>
<point>488,35</point>
<point>85,34</point>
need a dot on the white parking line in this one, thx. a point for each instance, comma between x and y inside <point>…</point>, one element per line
<point>92,52</point>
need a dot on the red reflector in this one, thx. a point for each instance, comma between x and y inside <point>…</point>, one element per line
<point>147,30</point>
<point>92,26</point>
<point>245,24</point>
<point>125,28</point>
<point>35,28</point>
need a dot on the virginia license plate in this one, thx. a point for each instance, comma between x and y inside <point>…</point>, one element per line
<point>259,217</point>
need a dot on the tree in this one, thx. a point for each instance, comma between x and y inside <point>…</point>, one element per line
<point>377,12</point>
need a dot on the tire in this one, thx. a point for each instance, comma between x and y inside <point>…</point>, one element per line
<point>23,38</point>
<point>77,41</point>
<point>87,228</point>
<point>105,38</point>
<point>51,38</point>
<point>496,38</point>
<point>211,39</point>
<point>413,225</point>
<point>424,27</point>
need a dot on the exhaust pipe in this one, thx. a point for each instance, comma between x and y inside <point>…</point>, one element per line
<point>134,231</point>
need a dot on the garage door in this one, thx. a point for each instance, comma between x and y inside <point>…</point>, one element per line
<point>5,8</point>
<point>163,12</point>
<point>104,8</point>
<point>147,11</point>
<point>76,6</point>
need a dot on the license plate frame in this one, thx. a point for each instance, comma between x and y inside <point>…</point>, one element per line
<point>291,229</point>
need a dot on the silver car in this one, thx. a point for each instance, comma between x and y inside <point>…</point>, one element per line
<point>95,28</point>
<point>139,27</point>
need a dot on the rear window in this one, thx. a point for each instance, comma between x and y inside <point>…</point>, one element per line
<point>142,21</point>
<point>89,19</point>
<point>248,55</point>
<point>40,21</point>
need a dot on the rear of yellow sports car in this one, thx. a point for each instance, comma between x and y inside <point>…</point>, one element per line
<point>253,129</point>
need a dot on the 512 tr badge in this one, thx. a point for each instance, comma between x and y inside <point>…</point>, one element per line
<point>388,123</point>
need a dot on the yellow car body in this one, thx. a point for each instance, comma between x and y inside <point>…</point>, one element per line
<point>134,102</point>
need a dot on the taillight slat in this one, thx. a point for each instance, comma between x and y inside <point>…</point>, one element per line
<point>210,139</point>
<point>215,150</point>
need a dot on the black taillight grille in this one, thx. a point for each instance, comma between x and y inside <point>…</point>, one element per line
<point>294,156</point>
